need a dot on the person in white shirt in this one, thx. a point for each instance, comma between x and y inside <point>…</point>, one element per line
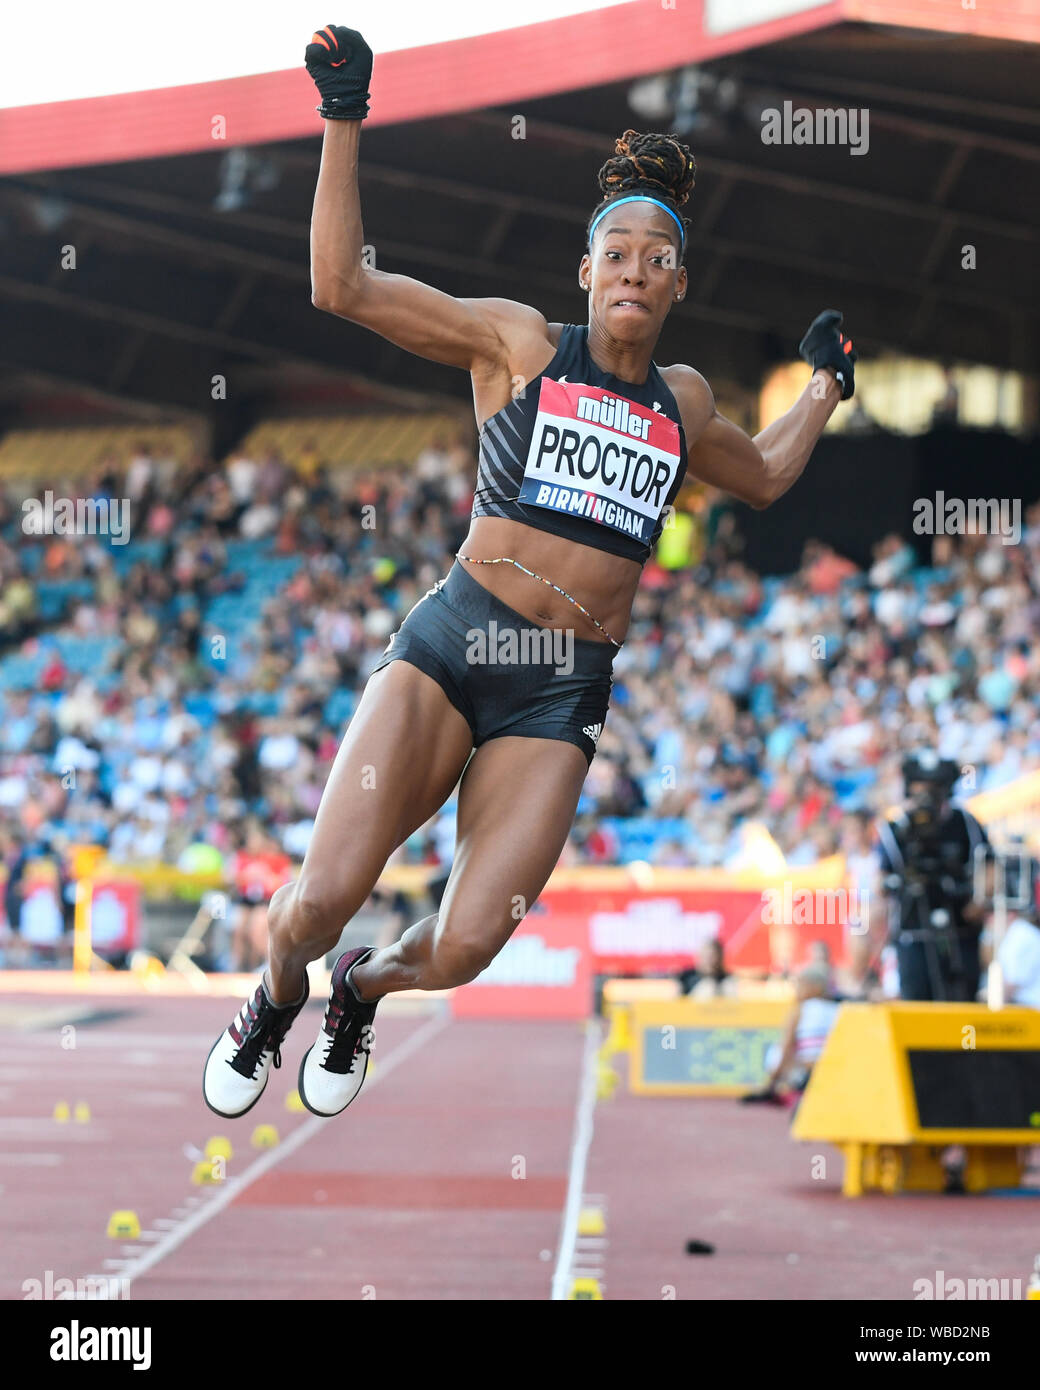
<point>1019,958</point>
<point>805,1033</point>
<point>242,476</point>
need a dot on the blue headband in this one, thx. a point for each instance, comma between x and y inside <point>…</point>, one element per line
<point>638,198</point>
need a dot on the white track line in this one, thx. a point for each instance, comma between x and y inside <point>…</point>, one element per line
<point>229,1190</point>
<point>579,1155</point>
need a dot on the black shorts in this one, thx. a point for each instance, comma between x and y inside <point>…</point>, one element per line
<point>507,677</point>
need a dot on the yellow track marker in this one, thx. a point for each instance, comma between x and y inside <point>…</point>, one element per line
<point>606,1080</point>
<point>591,1222</point>
<point>61,1111</point>
<point>124,1225</point>
<point>585,1288</point>
<point>264,1137</point>
<point>619,1036</point>
<point>218,1147</point>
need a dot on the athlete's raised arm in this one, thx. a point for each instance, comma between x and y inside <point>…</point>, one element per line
<point>417,317</point>
<point>759,470</point>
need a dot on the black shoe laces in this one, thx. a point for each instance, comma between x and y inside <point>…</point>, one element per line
<point>351,1034</point>
<point>267,1029</point>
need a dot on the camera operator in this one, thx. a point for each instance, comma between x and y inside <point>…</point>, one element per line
<point>927,857</point>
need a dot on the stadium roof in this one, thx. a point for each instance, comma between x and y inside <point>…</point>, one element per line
<point>195,265</point>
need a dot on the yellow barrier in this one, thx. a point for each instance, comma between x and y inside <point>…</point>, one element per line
<point>629,991</point>
<point>1011,811</point>
<point>824,874</point>
<point>159,880</point>
<point>898,1082</point>
<point>82,952</point>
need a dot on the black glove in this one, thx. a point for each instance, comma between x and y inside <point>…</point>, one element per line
<point>826,346</point>
<point>340,61</point>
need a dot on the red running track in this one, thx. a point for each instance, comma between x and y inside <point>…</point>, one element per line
<point>446,1180</point>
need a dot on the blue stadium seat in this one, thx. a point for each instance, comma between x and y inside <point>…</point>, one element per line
<point>340,706</point>
<point>638,837</point>
<point>265,703</point>
<point>199,704</point>
<point>849,787</point>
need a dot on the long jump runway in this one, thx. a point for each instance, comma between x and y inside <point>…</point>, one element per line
<point>447,1179</point>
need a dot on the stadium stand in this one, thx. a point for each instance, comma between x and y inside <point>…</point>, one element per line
<point>49,455</point>
<point>202,673</point>
<point>380,439</point>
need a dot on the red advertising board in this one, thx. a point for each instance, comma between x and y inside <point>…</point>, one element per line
<point>632,933</point>
<point>541,972</point>
<point>636,931</point>
<point>606,923</point>
<point>115,916</point>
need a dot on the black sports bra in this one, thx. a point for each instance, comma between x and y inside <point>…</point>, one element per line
<point>584,455</point>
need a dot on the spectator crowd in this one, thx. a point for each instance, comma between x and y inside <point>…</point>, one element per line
<point>737,699</point>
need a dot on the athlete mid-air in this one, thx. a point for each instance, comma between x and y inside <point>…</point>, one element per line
<point>576,474</point>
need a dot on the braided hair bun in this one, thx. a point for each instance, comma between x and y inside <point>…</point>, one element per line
<point>657,163</point>
<point>660,165</point>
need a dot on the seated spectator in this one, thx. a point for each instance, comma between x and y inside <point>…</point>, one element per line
<point>712,980</point>
<point>820,955</point>
<point>1019,956</point>
<point>825,570</point>
<point>811,1019</point>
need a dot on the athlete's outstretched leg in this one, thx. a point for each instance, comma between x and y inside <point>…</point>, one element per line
<point>516,803</point>
<point>402,755</point>
<point>404,752</point>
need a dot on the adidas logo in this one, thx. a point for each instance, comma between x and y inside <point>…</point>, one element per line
<point>593,731</point>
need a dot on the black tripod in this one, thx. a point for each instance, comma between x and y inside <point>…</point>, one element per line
<point>932,961</point>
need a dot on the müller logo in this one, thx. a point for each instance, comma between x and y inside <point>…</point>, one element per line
<point>529,960</point>
<point>652,926</point>
<point>615,413</point>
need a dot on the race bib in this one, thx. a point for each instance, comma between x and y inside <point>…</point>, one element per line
<point>600,456</point>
